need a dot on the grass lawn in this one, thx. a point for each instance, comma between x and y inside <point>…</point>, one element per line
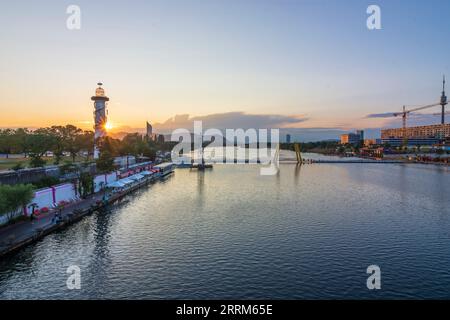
<point>11,162</point>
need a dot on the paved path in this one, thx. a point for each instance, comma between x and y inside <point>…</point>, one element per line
<point>10,235</point>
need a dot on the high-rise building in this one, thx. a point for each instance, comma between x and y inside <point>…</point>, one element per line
<point>100,118</point>
<point>353,138</point>
<point>160,138</point>
<point>288,138</point>
<point>361,134</point>
<point>149,130</point>
<point>149,133</point>
<point>443,102</point>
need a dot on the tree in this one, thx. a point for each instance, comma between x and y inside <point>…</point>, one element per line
<point>105,163</point>
<point>68,167</point>
<point>85,142</point>
<point>18,166</point>
<point>161,139</point>
<point>46,182</point>
<point>71,140</point>
<point>76,143</point>
<point>149,152</point>
<point>86,184</point>
<point>6,141</point>
<point>110,145</point>
<point>21,141</point>
<point>40,142</point>
<point>13,198</point>
<point>132,144</point>
<point>58,139</point>
<point>56,133</point>
<point>3,203</point>
<point>37,161</point>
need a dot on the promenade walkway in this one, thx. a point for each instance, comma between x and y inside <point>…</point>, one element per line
<point>21,231</point>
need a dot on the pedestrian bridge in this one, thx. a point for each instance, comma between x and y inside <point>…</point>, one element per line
<point>286,156</point>
<point>363,161</point>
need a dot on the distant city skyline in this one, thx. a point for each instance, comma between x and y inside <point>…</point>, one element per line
<point>297,65</point>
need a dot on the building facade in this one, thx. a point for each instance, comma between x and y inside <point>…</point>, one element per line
<point>288,138</point>
<point>421,135</point>
<point>360,133</point>
<point>370,142</point>
<point>352,138</point>
<point>149,129</point>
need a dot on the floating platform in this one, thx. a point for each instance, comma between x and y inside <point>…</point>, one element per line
<point>200,166</point>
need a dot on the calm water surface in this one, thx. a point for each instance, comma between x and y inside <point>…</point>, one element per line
<point>308,232</point>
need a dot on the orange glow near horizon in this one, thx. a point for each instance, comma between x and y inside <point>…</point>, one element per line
<point>109,126</point>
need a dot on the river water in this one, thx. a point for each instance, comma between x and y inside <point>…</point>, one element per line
<point>308,232</point>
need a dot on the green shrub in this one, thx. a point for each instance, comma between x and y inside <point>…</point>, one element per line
<point>37,162</point>
<point>46,182</point>
<point>12,198</point>
<point>17,167</point>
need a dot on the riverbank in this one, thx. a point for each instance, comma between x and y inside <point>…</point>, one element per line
<point>288,156</point>
<point>21,234</point>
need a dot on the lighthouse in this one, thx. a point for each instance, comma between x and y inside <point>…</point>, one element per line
<point>100,119</point>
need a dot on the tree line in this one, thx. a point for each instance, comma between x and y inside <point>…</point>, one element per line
<point>312,146</point>
<point>36,143</point>
<point>73,141</point>
<point>63,140</point>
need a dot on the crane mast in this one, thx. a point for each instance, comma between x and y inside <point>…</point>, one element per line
<point>405,113</point>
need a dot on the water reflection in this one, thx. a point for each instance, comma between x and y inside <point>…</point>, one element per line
<point>200,188</point>
<point>297,170</point>
<point>309,232</point>
<point>101,247</point>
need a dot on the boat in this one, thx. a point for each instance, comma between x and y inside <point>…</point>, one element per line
<point>184,164</point>
<point>165,168</point>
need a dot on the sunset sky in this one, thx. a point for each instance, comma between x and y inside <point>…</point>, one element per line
<point>284,63</point>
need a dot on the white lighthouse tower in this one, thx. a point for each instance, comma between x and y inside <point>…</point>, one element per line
<point>100,119</point>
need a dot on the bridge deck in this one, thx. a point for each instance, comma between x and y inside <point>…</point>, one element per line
<point>307,161</point>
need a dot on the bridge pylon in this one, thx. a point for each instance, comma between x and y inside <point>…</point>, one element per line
<point>298,153</point>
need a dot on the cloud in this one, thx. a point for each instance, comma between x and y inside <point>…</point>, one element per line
<point>232,120</point>
<point>235,120</point>
<point>381,115</point>
<point>413,119</point>
<point>417,119</point>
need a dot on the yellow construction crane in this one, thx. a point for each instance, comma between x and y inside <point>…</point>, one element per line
<point>404,115</point>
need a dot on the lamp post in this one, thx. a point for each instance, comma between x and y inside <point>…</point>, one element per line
<point>33,206</point>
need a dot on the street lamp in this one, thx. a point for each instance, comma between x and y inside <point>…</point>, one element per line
<point>33,206</point>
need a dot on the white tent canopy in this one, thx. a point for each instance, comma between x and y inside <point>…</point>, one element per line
<point>129,180</point>
<point>126,181</point>
<point>136,177</point>
<point>115,184</point>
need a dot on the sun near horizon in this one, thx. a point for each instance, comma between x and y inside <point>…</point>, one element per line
<point>109,126</point>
